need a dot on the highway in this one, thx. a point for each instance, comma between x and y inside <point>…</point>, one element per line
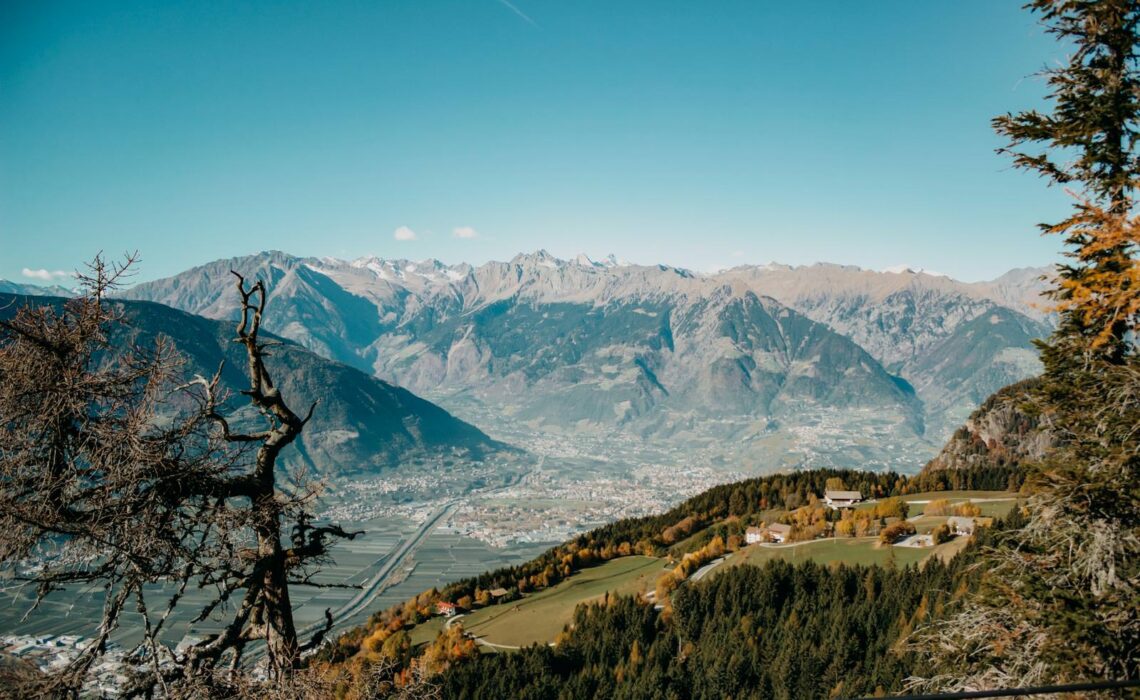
<point>388,563</point>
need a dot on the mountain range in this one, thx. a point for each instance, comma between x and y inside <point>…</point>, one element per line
<point>34,290</point>
<point>778,365</point>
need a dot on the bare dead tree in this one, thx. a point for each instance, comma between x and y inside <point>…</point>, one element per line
<point>266,572</point>
<point>107,477</point>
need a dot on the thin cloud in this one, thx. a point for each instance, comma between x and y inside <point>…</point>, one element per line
<point>518,12</point>
<point>44,275</point>
<point>465,232</point>
<point>404,234</point>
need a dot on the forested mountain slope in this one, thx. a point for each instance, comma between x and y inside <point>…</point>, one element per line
<point>776,630</point>
<point>361,424</point>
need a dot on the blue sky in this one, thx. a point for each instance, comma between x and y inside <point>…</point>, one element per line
<point>700,134</point>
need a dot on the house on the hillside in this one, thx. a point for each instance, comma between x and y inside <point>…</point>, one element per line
<point>753,535</point>
<point>778,532</point>
<point>446,609</point>
<point>841,499</point>
<point>961,525</point>
<point>499,593</point>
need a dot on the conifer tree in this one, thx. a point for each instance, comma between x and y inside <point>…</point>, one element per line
<point>115,475</point>
<point>1087,144</point>
<point>1061,600</point>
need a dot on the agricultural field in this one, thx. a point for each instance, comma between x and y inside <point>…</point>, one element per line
<point>994,504</point>
<point>539,618</point>
<point>925,524</point>
<point>77,609</point>
<point>997,509</point>
<point>958,496</point>
<point>442,557</point>
<point>427,630</point>
<point>849,550</point>
<point>989,509</point>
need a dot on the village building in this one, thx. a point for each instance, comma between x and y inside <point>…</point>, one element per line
<point>778,532</point>
<point>499,593</point>
<point>841,499</point>
<point>446,609</point>
<point>961,525</point>
<point>753,535</point>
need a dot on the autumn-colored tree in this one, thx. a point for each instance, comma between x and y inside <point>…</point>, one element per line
<point>968,509</point>
<point>1087,143</point>
<point>892,508</point>
<point>937,506</point>
<point>835,483</point>
<point>940,534</point>
<point>1098,294</point>
<point>845,528</point>
<point>896,531</point>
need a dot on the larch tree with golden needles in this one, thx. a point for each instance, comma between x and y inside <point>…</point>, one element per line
<point>1060,600</point>
<point>1088,144</point>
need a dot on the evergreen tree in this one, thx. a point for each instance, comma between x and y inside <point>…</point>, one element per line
<point>1061,600</point>
<point>1088,143</point>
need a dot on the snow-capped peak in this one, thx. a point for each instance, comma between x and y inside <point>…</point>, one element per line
<point>609,261</point>
<point>539,257</point>
<point>908,270</point>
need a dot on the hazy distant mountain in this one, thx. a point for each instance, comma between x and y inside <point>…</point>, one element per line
<point>361,424</point>
<point>746,354</point>
<point>896,316</point>
<point>955,342</point>
<point>34,290</point>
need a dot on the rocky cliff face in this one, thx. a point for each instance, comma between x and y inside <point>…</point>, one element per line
<point>1000,432</point>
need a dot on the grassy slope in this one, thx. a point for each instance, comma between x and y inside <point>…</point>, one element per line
<point>956,495</point>
<point>853,550</point>
<point>541,616</point>
<point>427,631</point>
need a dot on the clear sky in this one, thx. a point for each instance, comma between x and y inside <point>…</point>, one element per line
<point>700,134</point>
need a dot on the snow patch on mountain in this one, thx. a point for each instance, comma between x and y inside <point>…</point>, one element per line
<point>908,270</point>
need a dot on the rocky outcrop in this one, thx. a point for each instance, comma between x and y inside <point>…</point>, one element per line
<point>1003,431</point>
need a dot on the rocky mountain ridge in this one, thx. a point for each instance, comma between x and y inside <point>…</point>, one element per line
<point>752,354</point>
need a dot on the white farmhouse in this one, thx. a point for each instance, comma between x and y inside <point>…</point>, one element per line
<point>778,532</point>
